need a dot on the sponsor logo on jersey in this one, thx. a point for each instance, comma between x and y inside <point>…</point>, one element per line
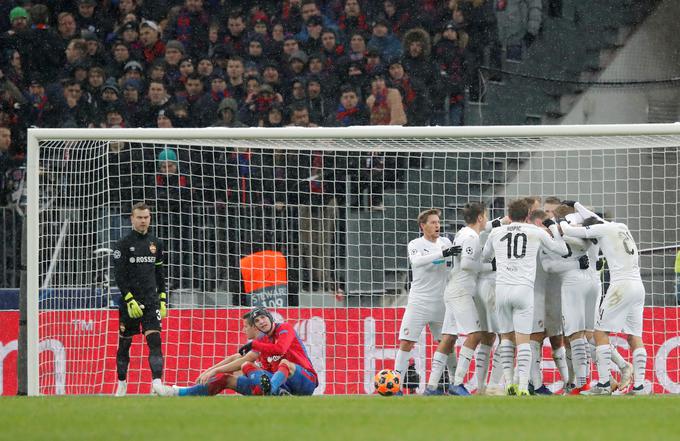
<point>274,358</point>
<point>132,249</point>
<point>152,248</point>
<point>143,259</point>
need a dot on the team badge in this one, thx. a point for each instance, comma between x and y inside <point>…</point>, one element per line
<point>121,328</point>
<point>152,248</point>
<point>406,331</point>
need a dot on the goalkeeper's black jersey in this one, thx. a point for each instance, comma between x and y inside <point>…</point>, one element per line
<point>138,266</point>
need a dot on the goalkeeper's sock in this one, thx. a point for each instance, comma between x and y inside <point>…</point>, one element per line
<point>464,358</point>
<point>123,357</point>
<point>536,373</point>
<point>438,365</point>
<point>507,350</point>
<point>496,368</point>
<point>523,365</point>
<point>579,358</point>
<point>604,358</point>
<point>559,357</point>
<point>570,365</point>
<point>617,358</point>
<point>639,366</point>
<point>217,383</point>
<point>153,340</point>
<point>482,366</point>
<point>279,378</point>
<point>401,364</point>
<point>196,390</point>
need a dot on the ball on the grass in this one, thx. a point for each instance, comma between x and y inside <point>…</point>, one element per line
<point>387,383</point>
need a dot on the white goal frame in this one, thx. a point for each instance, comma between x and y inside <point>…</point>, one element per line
<point>367,132</point>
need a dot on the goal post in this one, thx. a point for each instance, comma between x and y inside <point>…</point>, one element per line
<point>345,273</point>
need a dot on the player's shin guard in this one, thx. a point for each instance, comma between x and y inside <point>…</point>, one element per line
<point>536,373</point>
<point>496,368</point>
<point>279,378</point>
<point>603,359</point>
<point>217,383</point>
<point>401,363</point>
<point>639,366</point>
<point>523,365</point>
<point>153,340</point>
<point>560,358</point>
<point>579,358</point>
<point>464,359</point>
<point>438,365</point>
<point>123,357</point>
<point>482,366</point>
<point>507,350</point>
<point>195,390</point>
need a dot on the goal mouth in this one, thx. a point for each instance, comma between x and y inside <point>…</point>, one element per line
<point>313,223</point>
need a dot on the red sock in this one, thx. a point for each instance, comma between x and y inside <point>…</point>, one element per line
<point>284,369</point>
<point>218,383</point>
<point>248,368</point>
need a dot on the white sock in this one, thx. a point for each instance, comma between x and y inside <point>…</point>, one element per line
<point>464,359</point>
<point>560,358</point>
<point>570,365</point>
<point>604,358</point>
<point>536,374</point>
<point>523,365</point>
<point>579,359</point>
<point>507,350</point>
<point>438,365</point>
<point>617,358</point>
<point>592,356</point>
<point>157,382</point>
<point>496,368</point>
<point>452,363</point>
<point>122,383</point>
<point>639,366</point>
<point>482,365</point>
<point>401,363</point>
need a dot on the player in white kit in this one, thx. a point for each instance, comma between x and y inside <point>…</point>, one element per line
<point>621,309</point>
<point>430,259</point>
<point>461,296</point>
<point>515,247</point>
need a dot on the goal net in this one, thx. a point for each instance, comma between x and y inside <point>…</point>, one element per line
<point>312,223</point>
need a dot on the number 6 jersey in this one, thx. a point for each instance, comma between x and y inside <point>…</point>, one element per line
<point>515,247</point>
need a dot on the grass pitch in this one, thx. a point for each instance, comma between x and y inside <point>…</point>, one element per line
<point>350,418</point>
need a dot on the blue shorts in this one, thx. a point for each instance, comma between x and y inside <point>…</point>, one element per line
<point>302,382</point>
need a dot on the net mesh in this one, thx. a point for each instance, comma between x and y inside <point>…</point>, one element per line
<point>339,212</point>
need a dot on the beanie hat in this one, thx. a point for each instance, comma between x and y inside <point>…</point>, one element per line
<point>18,12</point>
<point>167,154</point>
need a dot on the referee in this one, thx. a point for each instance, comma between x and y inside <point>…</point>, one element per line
<point>138,268</point>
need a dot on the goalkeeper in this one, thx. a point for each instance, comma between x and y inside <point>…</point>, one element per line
<point>138,268</point>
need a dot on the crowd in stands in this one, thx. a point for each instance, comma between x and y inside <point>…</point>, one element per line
<point>249,63</point>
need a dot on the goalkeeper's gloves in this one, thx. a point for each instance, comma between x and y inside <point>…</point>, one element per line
<point>493,264</point>
<point>243,350</point>
<point>453,251</point>
<point>133,308</point>
<point>583,262</point>
<point>164,305</point>
<point>569,203</point>
<point>548,222</point>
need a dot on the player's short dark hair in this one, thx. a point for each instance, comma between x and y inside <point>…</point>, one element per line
<point>472,210</point>
<point>592,220</point>
<point>563,210</point>
<point>346,88</point>
<point>139,206</point>
<point>552,200</point>
<point>424,215</point>
<point>531,200</point>
<point>518,210</point>
<point>538,214</point>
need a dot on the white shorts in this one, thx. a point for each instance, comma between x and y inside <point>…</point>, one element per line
<point>538,320</point>
<point>468,309</point>
<point>416,317</point>
<point>514,308</point>
<point>579,301</point>
<point>622,307</point>
<point>449,327</point>
<point>553,308</point>
<point>486,290</point>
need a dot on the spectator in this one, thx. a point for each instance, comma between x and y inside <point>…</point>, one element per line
<point>133,71</point>
<point>186,68</point>
<point>519,22</point>
<point>174,52</point>
<point>130,35</point>
<point>414,94</point>
<point>113,117</point>
<point>205,69</point>
<point>39,47</point>
<point>95,50</point>
<point>383,40</point>
<point>15,72</point>
<point>235,39</point>
<point>88,19</point>
<point>418,63</point>
<point>308,9</point>
<point>272,77</point>
<point>39,110</point>
<point>316,103</point>
<point>73,110</point>
<point>190,28</point>
<point>131,104</point>
<point>384,104</point>
<point>350,112</point>
<point>353,19</point>
<point>298,93</point>
<point>110,94</point>
<point>314,29</point>
<point>355,77</point>
<point>150,37</point>
<point>67,27</point>
<point>257,105</point>
<point>256,53</point>
<point>290,46</point>
<point>275,117</point>
<point>18,18</point>
<point>76,55</point>
<point>227,114</point>
<point>451,56</point>
<point>332,50</point>
<point>207,105</point>
<point>297,64</point>
<point>120,56</point>
<point>374,62</point>
<point>157,100</point>
<point>9,161</point>
<point>399,19</point>
<point>191,95</point>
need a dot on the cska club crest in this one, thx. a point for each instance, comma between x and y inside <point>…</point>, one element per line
<point>152,248</point>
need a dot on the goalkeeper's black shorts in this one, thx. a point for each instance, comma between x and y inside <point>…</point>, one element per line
<point>150,320</point>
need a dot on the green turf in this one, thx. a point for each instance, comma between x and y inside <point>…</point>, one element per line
<point>354,418</point>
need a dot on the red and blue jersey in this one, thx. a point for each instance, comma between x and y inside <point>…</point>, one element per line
<point>283,343</point>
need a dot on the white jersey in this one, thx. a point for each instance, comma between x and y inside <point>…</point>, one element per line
<point>429,271</point>
<point>467,266</point>
<point>568,266</point>
<point>616,244</point>
<point>516,247</point>
<point>487,273</point>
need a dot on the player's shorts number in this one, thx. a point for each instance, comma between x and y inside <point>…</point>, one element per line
<point>514,245</point>
<point>158,314</point>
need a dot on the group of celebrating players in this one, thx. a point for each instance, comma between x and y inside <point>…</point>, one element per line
<point>531,275</point>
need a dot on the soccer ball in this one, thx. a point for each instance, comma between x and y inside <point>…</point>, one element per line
<point>387,383</point>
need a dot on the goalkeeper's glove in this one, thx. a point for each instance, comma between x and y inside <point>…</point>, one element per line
<point>243,350</point>
<point>453,251</point>
<point>569,203</point>
<point>548,222</point>
<point>164,305</point>
<point>583,262</point>
<point>133,308</point>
